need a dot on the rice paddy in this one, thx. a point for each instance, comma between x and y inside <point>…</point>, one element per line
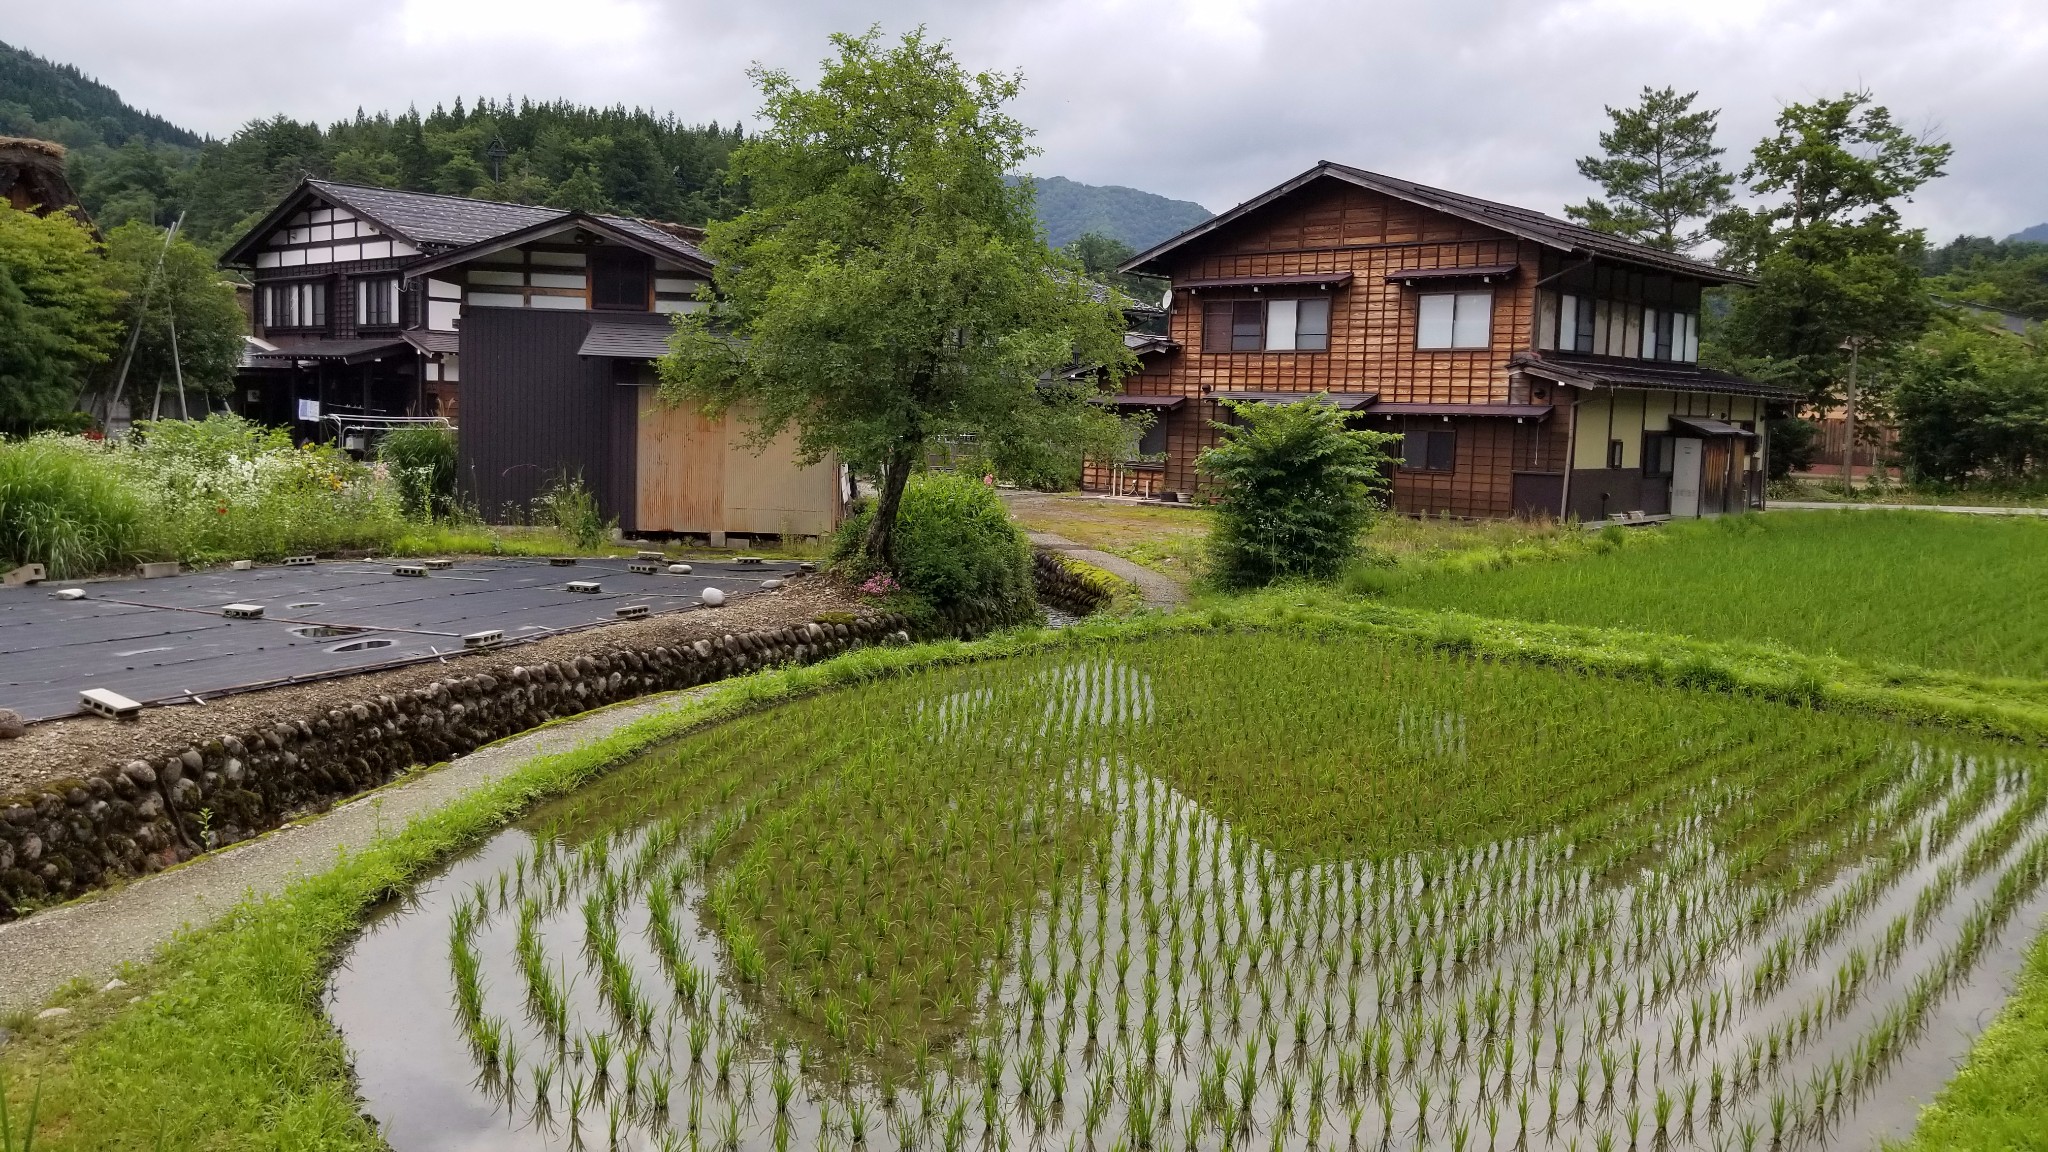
<point>1218,892</point>
<point>1942,591</point>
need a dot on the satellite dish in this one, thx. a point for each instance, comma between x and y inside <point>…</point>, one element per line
<point>1166,301</point>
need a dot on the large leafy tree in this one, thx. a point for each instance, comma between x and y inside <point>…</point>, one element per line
<point>1661,171</point>
<point>1971,401</point>
<point>185,290</point>
<point>887,289</point>
<point>1836,269</point>
<point>57,319</point>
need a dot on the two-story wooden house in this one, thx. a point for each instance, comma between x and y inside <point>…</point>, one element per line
<point>1532,366</point>
<point>534,329</point>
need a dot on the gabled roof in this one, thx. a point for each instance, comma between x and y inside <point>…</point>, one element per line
<point>1653,375</point>
<point>434,223</point>
<point>1549,231</point>
<point>640,235</point>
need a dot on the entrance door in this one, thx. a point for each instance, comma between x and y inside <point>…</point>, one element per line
<point>1685,479</point>
<point>1714,479</point>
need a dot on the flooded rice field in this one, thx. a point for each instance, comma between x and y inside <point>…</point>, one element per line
<point>1217,893</point>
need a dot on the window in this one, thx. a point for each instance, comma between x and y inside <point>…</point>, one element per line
<point>1298,325</point>
<point>1454,320</point>
<point>1614,453</point>
<point>1153,442</point>
<point>619,282</point>
<point>301,305</point>
<point>1659,451</point>
<point>377,302</point>
<point>1429,450</point>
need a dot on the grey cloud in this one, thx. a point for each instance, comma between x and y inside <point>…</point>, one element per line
<point>1196,99</point>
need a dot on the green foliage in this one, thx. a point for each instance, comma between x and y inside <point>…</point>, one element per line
<point>1995,1100</point>
<point>1294,488</point>
<point>1971,403</point>
<point>57,319</point>
<point>955,547</point>
<point>1792,441</point>
<point>2009,274</point>
<point>1835,267</point>
<point>1914,587</point>
<point>887,289</point>
<point>188,291</point>
<point>571,509</point>
<point>1069,210</point>
<point>52,101</point>
<point>1661,171</point>
<point>63,505</point>
<point>422,460</point>
<point>1099,256</point>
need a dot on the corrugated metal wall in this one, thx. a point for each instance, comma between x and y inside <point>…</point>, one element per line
<point>532,408</point>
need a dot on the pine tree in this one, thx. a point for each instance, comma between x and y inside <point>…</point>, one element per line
<point>1661,171</point>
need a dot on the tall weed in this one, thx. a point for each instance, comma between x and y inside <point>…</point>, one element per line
<point>64,505</point>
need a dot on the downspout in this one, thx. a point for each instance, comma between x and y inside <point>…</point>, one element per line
<point>1571,451</point>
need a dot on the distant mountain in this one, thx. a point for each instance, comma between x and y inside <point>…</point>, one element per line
<point>2038,234</point>
<point>1069,209</point>
<point>58,102</point>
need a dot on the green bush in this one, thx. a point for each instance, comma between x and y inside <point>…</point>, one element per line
<point>955,547</point>
<point>572,510</point>
<point>421,459</point>
<point>1294,488</point>
<point>64,505</point>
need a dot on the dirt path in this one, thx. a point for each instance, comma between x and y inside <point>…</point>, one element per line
<point>1158,591</point>
<point>93,937</point>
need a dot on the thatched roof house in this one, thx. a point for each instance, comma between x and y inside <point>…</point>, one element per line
<point>32,177</point>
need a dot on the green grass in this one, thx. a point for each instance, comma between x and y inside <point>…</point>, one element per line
<point>1930,589</point>
<point>1999,1100</point>
<point>229,1047</point>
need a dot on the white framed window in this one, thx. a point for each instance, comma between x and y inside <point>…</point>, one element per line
<point>1299,324</point>
<point>300,305</point>
<point>1454,320</point>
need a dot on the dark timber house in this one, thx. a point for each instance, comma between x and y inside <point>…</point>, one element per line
<point>1532,366</point>
<point>532,329</point>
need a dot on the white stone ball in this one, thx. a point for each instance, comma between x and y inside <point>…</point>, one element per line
<point>713,597</point>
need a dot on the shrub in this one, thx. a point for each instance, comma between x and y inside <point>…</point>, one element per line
<point>572,510</point>
<point>955,547</point>
<point>1294,489</point>
<point>421,459</point>
<point>63,505</point>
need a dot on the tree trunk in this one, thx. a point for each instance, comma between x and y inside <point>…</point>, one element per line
<point>881,542</point>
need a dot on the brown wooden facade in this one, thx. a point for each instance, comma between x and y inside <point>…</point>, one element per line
<point>1495,429</point>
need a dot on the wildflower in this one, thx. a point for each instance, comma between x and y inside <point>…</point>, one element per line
<point>880,584</point>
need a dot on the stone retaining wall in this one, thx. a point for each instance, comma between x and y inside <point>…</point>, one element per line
<point>148,814</point>
<point>1062,587</point>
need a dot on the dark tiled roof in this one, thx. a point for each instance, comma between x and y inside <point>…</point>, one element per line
<point>619,340</point>
<point>429,219</point>
<point>290,348</point>
<point>1524,222</point>
<point>1654,375</point>
<point>675,238</point>
<point>1518,411</point>
<point>1344,401</point>
<point>428,340</point>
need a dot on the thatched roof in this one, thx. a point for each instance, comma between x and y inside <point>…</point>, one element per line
<point>32,176</point>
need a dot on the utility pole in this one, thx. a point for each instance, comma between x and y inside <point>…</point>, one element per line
<point>1849,422</point>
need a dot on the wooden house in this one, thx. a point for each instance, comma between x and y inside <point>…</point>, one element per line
<point>1532,366</point>
<point>532,329</point>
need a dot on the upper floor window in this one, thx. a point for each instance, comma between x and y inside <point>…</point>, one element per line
<point>1578,323</point>
<point>299,305</point>
<point>1454,320</point>
<point>1282,325</point>
<point>619,281</point>
<point>377,302</point>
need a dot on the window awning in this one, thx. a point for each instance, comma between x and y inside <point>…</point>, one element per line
<point>1705,427</point>
<point>1475,272</point>
<point>1342,401</point>
<point>1514,411</point>
<point>343,351</point>
<point>1293,280</point>
<point>1126,400</point>
<point>616,340</point>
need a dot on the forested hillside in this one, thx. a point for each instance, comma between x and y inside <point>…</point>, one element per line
<point>2010,274</point>
<point>53,101</point>
<point>1070,210</point>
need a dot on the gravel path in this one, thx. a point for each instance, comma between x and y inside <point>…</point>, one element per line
<point>1973,510</point>
<point>1159,591</point>
<point>93,937</point>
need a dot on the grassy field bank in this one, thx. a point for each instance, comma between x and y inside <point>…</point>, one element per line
<point>1942,591</point>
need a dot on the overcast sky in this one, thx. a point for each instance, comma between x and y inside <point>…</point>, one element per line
<point>1202,100</point>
